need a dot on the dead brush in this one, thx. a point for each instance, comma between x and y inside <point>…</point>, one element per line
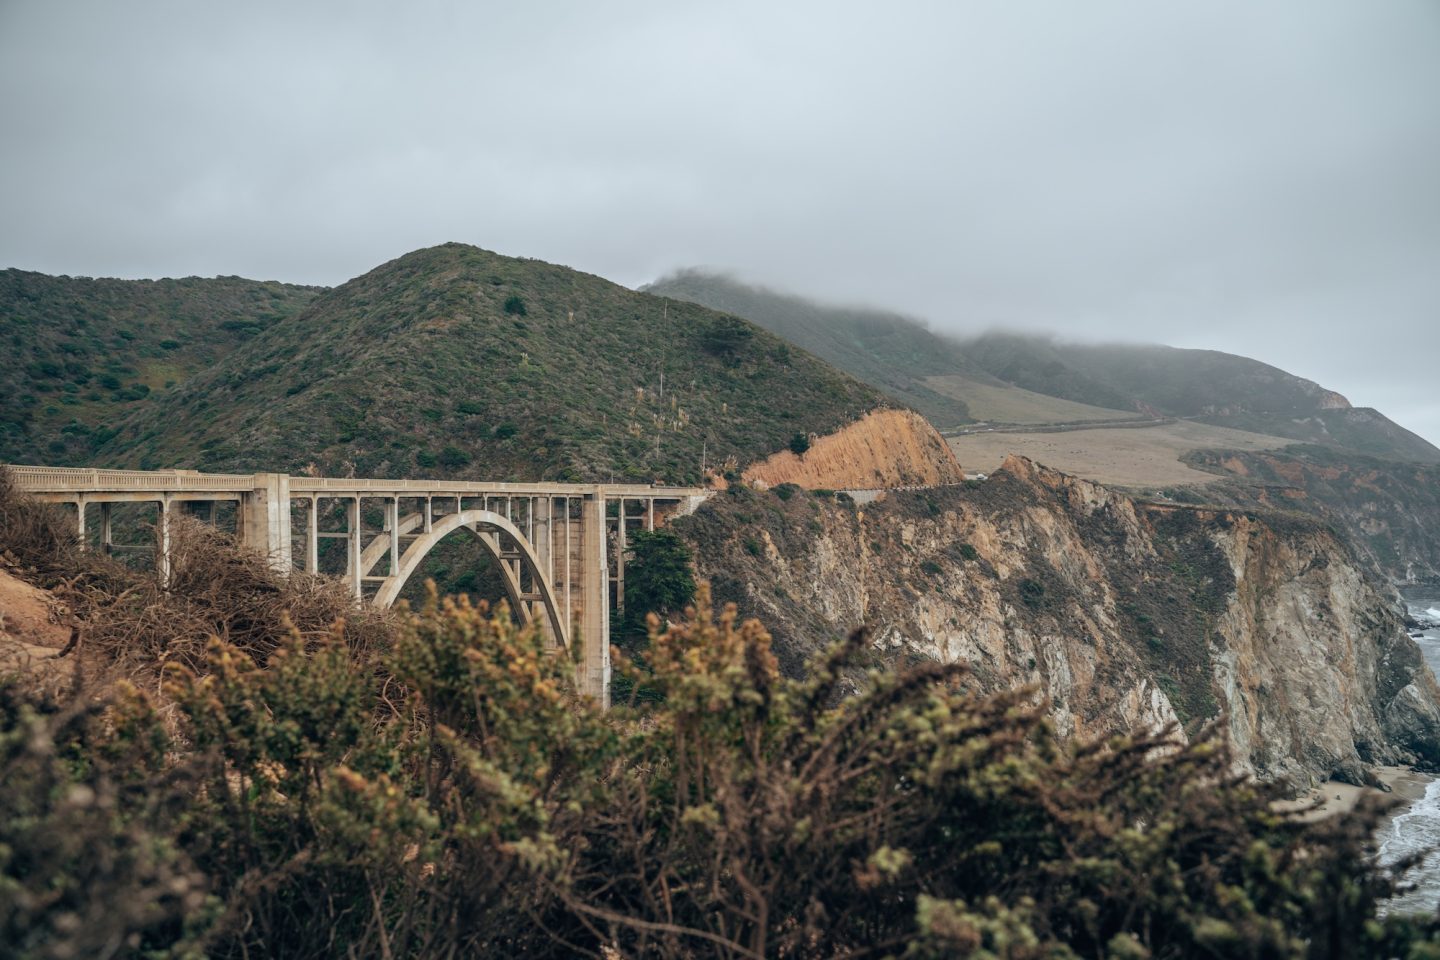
<point>35,535</point>
<point>218,589</point>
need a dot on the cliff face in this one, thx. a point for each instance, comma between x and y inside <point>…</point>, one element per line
<point>1389,509</point>
<point>1120,613</point>
<point>885,448</point>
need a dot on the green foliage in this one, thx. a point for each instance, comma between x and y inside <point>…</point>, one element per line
<point>422,349</point>
<point>452,456</point>
<point>893,354</point>
<point>658,578</point>
<point>452,796</point>
<point>514,305</point>
<point>124,337</point>
<point>799,443</point>
<point>726,336</point>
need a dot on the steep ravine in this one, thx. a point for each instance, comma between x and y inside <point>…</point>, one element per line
<point>1121,613</point>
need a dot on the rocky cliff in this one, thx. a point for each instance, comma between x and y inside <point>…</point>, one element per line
<point>883,449</point>
<point>1389,509</point>
<point>1119,612</point>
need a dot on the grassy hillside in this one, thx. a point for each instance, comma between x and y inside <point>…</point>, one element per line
<point>953,382</point>
<point>892,353</point>
<point>82,353</point>
<point>453,361</point>
<point>1009,404</point>
<point>1218,388</point>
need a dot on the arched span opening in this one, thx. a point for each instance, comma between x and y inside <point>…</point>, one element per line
<point>526,582</point>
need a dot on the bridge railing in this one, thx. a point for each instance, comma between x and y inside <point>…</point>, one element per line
<point>84,479</point>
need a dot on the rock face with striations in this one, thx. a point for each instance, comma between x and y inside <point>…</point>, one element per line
<point>1120,613</point>
<point>881,450</point>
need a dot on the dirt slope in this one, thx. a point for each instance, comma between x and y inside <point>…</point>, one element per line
<point>884,449</point>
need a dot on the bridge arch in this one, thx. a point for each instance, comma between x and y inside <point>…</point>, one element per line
<point>488,527</point>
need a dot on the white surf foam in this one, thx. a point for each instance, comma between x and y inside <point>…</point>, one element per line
<point>1414,831</point>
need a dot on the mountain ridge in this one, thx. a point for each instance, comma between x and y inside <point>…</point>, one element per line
<point>1140,380</point>
<point>457,361</point>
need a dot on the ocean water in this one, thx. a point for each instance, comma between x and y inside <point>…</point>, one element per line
<point>1418,827</point>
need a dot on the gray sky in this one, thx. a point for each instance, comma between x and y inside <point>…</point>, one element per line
<point>1258,177</point>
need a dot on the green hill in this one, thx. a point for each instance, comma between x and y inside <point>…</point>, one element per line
<point>892,353</point>
<point>453,361</point>
<point>1206,385</point>
<point>1007,378</point>
<point>83,353</point>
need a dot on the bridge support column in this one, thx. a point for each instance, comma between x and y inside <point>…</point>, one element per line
<point>312,536</point>
<point>353,553</point>
<point>541,538</point>
<point>392,522</point>
<point>107,530</point>
<point>265,523</point>
<point>162,541</point>
<point>593,669</point>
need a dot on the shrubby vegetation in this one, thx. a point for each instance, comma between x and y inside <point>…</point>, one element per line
<point>83,352</point>
<point>446,793</point>
<point>527,368</point>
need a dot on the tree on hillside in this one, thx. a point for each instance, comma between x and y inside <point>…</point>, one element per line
<point>657,578</point>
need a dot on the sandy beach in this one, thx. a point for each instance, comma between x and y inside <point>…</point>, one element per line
<point>1335,797</point>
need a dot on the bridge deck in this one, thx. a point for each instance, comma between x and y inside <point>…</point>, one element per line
<point>36,479</point>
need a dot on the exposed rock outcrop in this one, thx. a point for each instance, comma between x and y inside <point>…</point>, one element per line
<point>883,449</point>
<point>1388,508</point>
<point>1119,612</point>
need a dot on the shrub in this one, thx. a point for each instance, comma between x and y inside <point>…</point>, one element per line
<point>514,305</point>
<point>658,578</point>
<point>799,443</point>
<point>452,456</point>
<point>447,793</point>
<point>726,336</point>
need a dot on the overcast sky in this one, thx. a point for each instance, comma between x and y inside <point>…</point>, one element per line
<point>1258,177</point>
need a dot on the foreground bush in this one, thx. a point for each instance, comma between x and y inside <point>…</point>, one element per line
<point>453,797</point>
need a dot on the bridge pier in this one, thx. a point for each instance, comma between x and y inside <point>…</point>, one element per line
<point>592,672</point>
<point>265,519</point>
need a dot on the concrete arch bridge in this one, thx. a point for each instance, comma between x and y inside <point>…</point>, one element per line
<point>559,547</point>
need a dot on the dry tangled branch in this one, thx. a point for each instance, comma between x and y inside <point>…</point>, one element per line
<point>216,589</point>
